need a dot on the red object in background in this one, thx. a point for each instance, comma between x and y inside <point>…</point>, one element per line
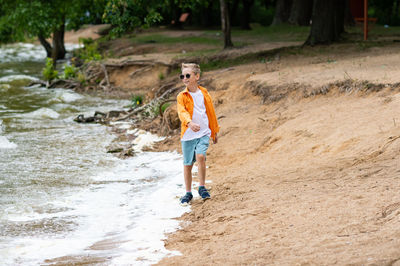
<point>183,17</point>
<point>359,10</point>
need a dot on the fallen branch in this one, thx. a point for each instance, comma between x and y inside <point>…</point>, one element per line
<point>136,63</point>
<point>162,103</point>
<point>140,70</point>
<point>151,105</point>
<point>106,76</point>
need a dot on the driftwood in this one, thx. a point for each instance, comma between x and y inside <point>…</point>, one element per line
<point>140,70</point>
<point>161,105</point>
<point>105,78</point>
<point>148,108</point>
<point>136,63</point>
<point>57,83</point>
<point>98,117</point>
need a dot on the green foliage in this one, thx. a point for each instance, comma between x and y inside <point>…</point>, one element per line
<point>81,78</point>
<point>165,106</point>
<point>159,38</point>
<point>137,100</point>
<point>41,17</point>
<point>128,15</point>
<point>161,76</point>
<point>8,33</point>
<point>49,73</point>
<point>90,50</point>
<point>70,71</point>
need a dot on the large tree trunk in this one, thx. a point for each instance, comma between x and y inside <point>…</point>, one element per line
<point>327,22</point>
<point>207,12</point>
<point>58,51</point>
<point>233,12</point>
<point>45,44</point>
<point>246,14</point>
<point>176,14</point>
<point>282,11</point>
<point>225,23</point>
<point>348,17</point>
<point>300,13</point>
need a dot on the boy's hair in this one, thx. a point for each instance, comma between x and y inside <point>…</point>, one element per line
<point>194,67</point>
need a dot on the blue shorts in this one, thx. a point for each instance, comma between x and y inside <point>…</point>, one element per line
<point>192,147</point>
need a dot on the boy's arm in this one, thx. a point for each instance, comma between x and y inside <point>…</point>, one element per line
<point>183,114</point>
<point>214,115</point>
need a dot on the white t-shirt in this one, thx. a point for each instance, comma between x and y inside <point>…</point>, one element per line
<point>199,117</point>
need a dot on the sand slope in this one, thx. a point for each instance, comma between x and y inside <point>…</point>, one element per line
<point>302,180</point>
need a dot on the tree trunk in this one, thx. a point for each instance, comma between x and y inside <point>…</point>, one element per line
<point>282,11</point>
<point>348,17</point>
<point>45,44</point>
<point>233,12</point>
<point>246,14</point>
<point>206,18</point>
<point>327,22</point>
<point>58,51</point>
<point>300,14</point>
<point>176,14</point>
<point>225,23</point>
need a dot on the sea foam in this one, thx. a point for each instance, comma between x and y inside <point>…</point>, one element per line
<point>43,113</point>
<point>6,144</point>
<point>11,78</point>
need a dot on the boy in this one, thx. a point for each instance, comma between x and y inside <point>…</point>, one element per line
<point>198,124</point>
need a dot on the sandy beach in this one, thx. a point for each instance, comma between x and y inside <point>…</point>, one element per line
<point>306,170</point>
<point>311,178</point>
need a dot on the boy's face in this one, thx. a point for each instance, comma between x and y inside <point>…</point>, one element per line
<point>189,77</point>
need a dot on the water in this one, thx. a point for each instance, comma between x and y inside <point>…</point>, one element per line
<point>61,194</point>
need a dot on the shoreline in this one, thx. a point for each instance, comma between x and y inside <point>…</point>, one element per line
<point>305,171</point>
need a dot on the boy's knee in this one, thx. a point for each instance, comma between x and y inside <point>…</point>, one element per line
<point>200,157</point>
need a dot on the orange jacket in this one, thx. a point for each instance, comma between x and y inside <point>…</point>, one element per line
<point>185,111</point>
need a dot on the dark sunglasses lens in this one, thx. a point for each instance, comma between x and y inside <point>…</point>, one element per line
<point>187,76</point>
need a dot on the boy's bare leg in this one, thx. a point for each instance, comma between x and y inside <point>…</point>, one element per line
<point>201,163</point>
<point>187,173</point>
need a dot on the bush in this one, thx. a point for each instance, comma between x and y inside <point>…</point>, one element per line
<point>164,107</point>
<point>90,51</point>
<point>137,100</point>
<point>81,78</point>
<point>49,73</point>
<point>70,71</point>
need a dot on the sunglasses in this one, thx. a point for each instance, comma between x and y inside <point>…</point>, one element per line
<point>183,76</point>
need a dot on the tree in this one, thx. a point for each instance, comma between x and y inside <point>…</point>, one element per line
<point>282,11</point>
<point>128,15</point>
<point>246,14</point>
<point>44,19</point>
<point>300,13</point>
<point>327,21</point>
<point>225,24</point>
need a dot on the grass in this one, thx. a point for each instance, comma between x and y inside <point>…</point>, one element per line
<point>258,34</point>
<point>199,53</point>
<point>159,38</point>
<point>281,33</point>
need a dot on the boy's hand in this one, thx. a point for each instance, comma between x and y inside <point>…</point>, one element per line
<point>216,139</point>
<point>193,126</point>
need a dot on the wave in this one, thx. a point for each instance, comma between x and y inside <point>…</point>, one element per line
<point>128,209</point>
<point>6,144</point>
<point>22,52</point>
<point>43,113</point>
<point>11,78</point>
<point>64,96</point>
<point>5,86</point>
<point>27,52</point>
